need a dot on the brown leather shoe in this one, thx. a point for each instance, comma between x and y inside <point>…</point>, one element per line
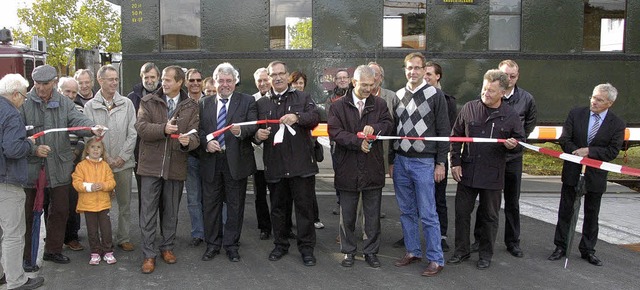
<point>168,257</point>
<point>432,270</point>
<point>126,246</point>
<point>74,245</point>
<point>148,265</point>
<point>406,260</point>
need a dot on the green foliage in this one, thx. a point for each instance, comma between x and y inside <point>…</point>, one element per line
<point>301,37</point>
<point>67,25</point>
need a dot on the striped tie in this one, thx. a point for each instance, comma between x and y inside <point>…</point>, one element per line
<point>222,120</point>
<point>594,128</point>
<point>172,107</point>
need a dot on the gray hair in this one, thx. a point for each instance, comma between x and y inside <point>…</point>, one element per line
<point>379,66</point>
<point>147,67</point>
<point>256,75</point>
<point>363,71</point>
<point>227,69</point>
<point>103,69</point>
<point>493,75</point>
<point>611,91</point>
<point>84,71</point>
<point>64,80</point>
<point>12,83</point>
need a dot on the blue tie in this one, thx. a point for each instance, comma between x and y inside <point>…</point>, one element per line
<point>222,120</point>
<point>594,128</point>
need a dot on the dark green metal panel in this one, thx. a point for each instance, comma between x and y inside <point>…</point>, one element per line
<point>235,26</point>
<point>140,36</point>
<point>551,26</point>
<point>453,28</point>
<point>334,24</point>
<point>632,40</point>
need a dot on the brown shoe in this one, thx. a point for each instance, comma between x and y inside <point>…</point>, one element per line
<point>74,245</point>
<point>432,270</point>
<point>126,246</point>
<point>168,257</point>
<point>148,265</point>
<point>406,260</point>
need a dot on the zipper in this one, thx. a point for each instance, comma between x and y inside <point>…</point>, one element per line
<point>492,126</point>
<point>164,158</point>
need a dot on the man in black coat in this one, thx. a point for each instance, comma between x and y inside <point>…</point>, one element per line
<point>224,168</point>
<point>596,133</point>
<point>360,166</point>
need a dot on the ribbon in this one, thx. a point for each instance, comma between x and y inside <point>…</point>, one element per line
<point>42,133</point>
<point>279,134</point>
<point>564,156</point>
<point>176,136</point>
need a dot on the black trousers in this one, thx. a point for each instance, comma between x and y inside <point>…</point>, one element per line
<point>230,191</point>
<point>592,202</point>
<point>512,182</point>
<point>301,191</point>
<point>55,219</point>
<point>441,201</point>
<point>488,217</point>
<point>73,222</point>
<point>262,207</point>
<point>371,200</point>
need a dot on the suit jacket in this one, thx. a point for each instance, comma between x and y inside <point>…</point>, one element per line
<point>239,152</point>
<point>605,146</point>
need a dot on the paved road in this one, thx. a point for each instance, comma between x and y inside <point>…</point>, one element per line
<point>539,202</point>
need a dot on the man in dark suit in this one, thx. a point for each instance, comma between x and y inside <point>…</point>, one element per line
<point>223,167</point>
<point>596,133</point>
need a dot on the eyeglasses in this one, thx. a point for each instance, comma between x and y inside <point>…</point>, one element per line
<point>195,80</point>
<point>280,74</point>
<point>343,78</point>
<point>25,96</point>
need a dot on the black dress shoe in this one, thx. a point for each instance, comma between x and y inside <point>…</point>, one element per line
<point>348,261</point>
<point>515,251</point>
<point>32,283</point>
<point>399,243</point>
<point>483,264</point>
<point>592,259</point>
<point>233,255</point>
<point>195,242</point>
<point>3,280</point>
<point>475,247</point>
<point>56,258</point>
<point>444,245</point>
<point>265,235</point>
<point>277,254</point>
<point>557,254</point>
<point>27,267</point>
<point>372,260</point>
<point>308,260</point>
<point>457,259</point>
<point>210,253</point>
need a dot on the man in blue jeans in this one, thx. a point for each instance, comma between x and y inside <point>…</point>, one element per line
<point>419,110</point>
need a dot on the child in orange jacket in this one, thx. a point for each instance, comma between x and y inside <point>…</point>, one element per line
<point>93,179</point>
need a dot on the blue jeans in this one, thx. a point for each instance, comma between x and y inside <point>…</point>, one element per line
<point>194,197</point>
<point>415,192</point>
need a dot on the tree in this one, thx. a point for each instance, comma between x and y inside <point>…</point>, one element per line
<point>68,24</point>
<point>301,37</point>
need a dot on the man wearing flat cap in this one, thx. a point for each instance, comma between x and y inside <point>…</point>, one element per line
<point>45,108</point>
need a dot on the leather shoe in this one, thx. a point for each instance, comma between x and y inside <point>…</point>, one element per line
<point>457,259</point>
<point>32,283</point>
<point>195,242</point>
<point>592,259</point>
<point>483,264</point>
<point>148,265</point>
<point>308,260</point>
<point>56,258</point>
<point>265,235</point>
<point>557,254</point>
<point>168,257</point>
<point>126,246</point>
<point>372,260</point>
<point>475,247</point>
<point>348,261</point>
<point>27,267</point>
<point>444,245</point>
<point>515,251</point>
<point>74,245</point>
<point>432,270</point>
<point>3,280</point>
<point>277,254</point>
<point>406,260</point>
<point>233,255</point>
<point>209,254</point>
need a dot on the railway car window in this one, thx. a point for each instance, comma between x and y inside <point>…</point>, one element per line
<point>504,24</point>
<point>290,24</point>
<point>180,24</point>
<point>404,24</point>
<point>604,25</point>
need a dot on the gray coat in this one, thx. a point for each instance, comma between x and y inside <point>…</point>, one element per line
<point>59,112</point>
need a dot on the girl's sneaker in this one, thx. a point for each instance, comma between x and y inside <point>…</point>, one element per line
<point>95,259</point>
<point>110,258</point>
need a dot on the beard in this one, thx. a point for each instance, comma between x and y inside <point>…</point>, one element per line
<point>150,87</point>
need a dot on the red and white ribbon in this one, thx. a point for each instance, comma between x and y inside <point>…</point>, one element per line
<point>564,156</point>
<point>277,138</point>
<point>176,136</point>
<point>42,133</point>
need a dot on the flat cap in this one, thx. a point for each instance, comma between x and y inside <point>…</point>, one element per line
<point>44,73</point>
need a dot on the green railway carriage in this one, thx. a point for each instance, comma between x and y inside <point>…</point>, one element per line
<point>563,48</point>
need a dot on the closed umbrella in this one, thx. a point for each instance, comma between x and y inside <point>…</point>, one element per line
<point>581,190</point>
<point>41,182</point>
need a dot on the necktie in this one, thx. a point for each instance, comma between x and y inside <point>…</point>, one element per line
<point>222,120</point>
<point>172,107</point>
<point>594,128</point>
<point>360,107</point>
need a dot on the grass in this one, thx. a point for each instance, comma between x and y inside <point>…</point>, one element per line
<point>539,164</point>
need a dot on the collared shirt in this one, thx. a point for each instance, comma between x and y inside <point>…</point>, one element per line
<point>418,87</point>
<point>226,106</point>
<point>592,120</point>
<point>356,100</point>
<point>510,94</point>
